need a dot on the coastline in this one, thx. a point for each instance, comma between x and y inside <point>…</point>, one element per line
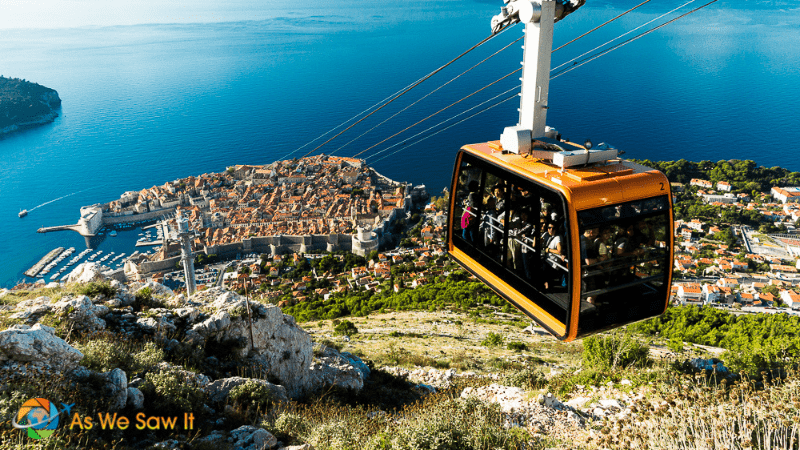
<point>39,120</point>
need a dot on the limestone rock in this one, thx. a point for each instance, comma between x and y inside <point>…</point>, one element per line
<point>188,313</point>
<point>159,324</point>
<point>361,366</point>
<point>218,322</point>
<point>135,398</point>
<point>157,289</point>
<point>218,390</point>
<point>177,301</point>
<point>86,273</point>
<point>31,309</point>
<point>333,371</point>
<point>82,312</point>
<point>216,439</point>
<point>298,447</point>
<point>249,437</point>
<point>116,389</point>
<point>37,344</point>
<point>509,398</point>
<point>277,344</point>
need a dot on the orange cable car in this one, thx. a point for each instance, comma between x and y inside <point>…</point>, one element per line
<point>578,250</point>
<point>576,238</point>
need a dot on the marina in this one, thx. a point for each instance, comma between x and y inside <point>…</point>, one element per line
<point>34,271</point>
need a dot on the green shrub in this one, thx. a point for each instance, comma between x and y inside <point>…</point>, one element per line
<point>95,288</point>
<point>148,357</point>
<point>527,378</point>
<point>618,350</point>
<point>144,300</point>
<point>102,356</point>
<point>346,328</point>
<point>290,424</point>
<point>173,391</point>
<point>517,346</point>
<point>676,345</point>
<point>492,340</point>
<point>251,394</point>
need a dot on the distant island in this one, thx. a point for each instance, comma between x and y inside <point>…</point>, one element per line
<point>24,104</point>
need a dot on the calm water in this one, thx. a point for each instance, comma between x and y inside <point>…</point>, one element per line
<point>146,104</point>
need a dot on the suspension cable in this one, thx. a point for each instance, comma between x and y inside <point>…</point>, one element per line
<point>439,111</point>
<point>403,142</point>
<point>341,124</point>
<point>621,35</point>
<point>423,98</point>
<point>600,26</point>
<point>449,126</point>
<point>553,77</point>
<point>604,52</point>
<point>412,86</point>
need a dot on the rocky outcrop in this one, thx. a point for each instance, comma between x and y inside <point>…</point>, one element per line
<point>116,389</point>
<point>81,312</point>
<point>37,345</point>
<point>538,416</point>
<point>268,337</point>
<point>333,371</point>
<point>85,273</point>
<point>31,310</point>
<point>248,437</point>
<point>218,390</point>
<point>156,289</point>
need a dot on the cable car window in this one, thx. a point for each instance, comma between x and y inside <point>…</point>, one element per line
<point>624,263</point>
<point>516,230</point>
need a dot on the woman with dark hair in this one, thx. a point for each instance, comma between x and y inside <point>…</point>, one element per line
<point>553,253</point>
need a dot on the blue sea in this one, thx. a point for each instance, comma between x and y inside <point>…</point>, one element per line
<point>152,102</point>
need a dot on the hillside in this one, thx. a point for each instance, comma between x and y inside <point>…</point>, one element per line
<point>445,377</point>
<point>24,104</point>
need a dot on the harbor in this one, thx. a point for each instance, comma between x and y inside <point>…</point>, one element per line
<point>46,259</point>
<point>110,247</point>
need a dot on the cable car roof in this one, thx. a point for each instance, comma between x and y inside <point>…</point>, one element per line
<point>595,185</point>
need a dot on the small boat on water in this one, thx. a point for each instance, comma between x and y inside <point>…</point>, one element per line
<point>23,213</point>
<point>112,233</point>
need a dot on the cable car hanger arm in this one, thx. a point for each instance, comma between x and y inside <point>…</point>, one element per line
<point>510,14</point>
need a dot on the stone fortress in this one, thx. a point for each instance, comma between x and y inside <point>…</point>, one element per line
<point>320,203</point>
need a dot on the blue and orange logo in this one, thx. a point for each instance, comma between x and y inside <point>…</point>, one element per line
<point>40,417</point>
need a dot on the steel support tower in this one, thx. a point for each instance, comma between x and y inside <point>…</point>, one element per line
<point>185,236</point>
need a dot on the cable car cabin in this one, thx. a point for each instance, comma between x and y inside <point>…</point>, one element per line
<point>579,250</point>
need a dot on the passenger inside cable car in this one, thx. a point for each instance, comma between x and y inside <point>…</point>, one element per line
<point>520,231</point>
<point>624,255</point>
<point>515,228</point>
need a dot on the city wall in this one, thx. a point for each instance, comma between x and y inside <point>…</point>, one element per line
<point>284,244</point>
<point>167,265</point>
<point>152,215</point>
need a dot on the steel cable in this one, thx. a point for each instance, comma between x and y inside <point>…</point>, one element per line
<point>621,35</point>
<point>404,91</point>
<point>609,50</point>
<point>444,121</point>
<point>423,98</point>
<point>439,111</point>
<point>449,126</point>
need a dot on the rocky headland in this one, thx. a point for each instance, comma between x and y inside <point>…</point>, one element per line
<point>24,104</point>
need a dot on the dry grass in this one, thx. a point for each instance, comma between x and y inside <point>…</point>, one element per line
<point>443,340</point>
<point>691,412</point>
